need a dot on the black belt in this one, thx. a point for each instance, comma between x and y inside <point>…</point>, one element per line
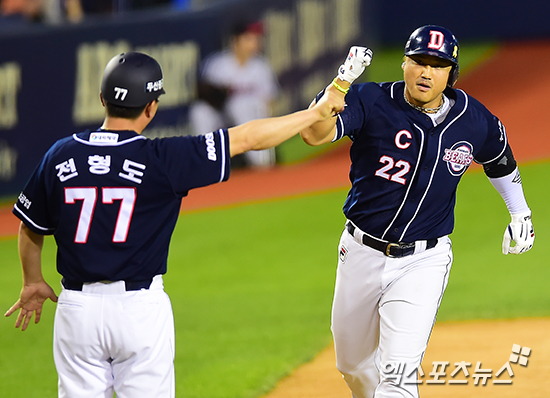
<point>390,249</point>
<point>130,285</point>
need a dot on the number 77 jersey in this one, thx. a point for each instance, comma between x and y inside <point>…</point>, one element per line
<point>405,166</point>
<point>111,199</point>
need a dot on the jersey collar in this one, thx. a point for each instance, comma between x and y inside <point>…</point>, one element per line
<point>102,137</point>
<point>458,96</point>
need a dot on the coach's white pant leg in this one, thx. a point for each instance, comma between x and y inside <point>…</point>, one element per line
<point>355,319</point>
<point>413,289</point>
<point>82,365</point>
<point>143,363</point>
<point>262,158</point>
<point>107,339</point>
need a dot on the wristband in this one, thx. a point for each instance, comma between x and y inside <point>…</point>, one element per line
<point>339,88</point>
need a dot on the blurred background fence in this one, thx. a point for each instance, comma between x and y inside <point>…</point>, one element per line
<point>50,69</point>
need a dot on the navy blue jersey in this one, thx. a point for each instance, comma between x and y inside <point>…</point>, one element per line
<point>111,199</point>
<point>405,171</point>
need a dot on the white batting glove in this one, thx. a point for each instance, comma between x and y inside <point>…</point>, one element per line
<point>521,232</point>
<point>356,62</point>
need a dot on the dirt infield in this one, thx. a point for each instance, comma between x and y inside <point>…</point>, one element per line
<point>513,84</point>
<point>487,342</point>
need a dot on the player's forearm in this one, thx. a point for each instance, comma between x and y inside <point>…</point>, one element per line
<point>511,190</point>
<point>319,133</point>
<point>323,132</point>
<point>267,133</point>
<point>30,253</point>
<point>270,132</point>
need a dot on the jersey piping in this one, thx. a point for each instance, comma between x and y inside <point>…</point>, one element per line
<point>410,185</point>
<point>222,141</point>
<point>31,221</point>
<point>392,94</point>
<point>339,131</point>
<point>501,152</point>
<point>435,166</point>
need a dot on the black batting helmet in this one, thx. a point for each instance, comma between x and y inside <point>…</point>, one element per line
<point>132,80</point>
<point>438,42</point>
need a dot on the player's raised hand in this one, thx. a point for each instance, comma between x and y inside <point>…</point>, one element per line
<point>329,105</point>
<point>357,60</point>
<point>521,232</point>
<point>30,302</point>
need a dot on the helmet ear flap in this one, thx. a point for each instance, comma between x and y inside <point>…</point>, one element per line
<point>453,76</point>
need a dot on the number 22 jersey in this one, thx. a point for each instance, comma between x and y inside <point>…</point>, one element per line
<point>405,168</point>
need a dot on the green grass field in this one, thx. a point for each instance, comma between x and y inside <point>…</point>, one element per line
<point>251,288</point>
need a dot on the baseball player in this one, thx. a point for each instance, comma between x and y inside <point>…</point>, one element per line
<point>412,141</point>
<point>111,199</point>
<point>250,86</point>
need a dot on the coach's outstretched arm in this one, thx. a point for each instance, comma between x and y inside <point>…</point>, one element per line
<point>357,60</point>
<point>270,132</point>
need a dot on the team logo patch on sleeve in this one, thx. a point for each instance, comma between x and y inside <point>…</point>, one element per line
<point>211,147</point>
<point>459,157</point>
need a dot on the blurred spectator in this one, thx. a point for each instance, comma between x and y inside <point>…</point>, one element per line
<point>16,11</point>
<point>60,11</point>
<point>73,10</point>
<point>20,12</point>
<point>236,85</point>
<point>23,12</point>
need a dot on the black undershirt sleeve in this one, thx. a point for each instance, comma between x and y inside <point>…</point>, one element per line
<point>502,166</point>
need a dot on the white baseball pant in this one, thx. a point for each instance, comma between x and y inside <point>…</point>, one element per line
<point>383,313</point>
<point>107,339</point>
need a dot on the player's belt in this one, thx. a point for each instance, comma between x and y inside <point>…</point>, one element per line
<point>395,250</point>
<point>130,285</point>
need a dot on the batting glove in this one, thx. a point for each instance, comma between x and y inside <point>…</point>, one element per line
<point>521,232</point>
<point>356,62</point>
